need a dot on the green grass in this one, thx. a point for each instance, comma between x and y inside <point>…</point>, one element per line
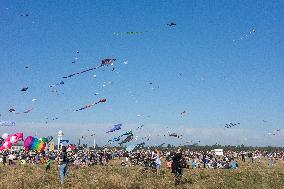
<point>257,175</point>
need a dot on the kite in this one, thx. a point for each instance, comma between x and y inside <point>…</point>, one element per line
<point>34,99</point>
<point>27,111</point>
<point>13,110</point>
<point>108,61</point>
<point>229,125</point>
<point>115,128</point>
<point>64,142</point>
<point>34,144</point>
<point>8,123</point>
<point>245,35</point>
<point>128,133</point>
<point>24,88</point>
<point>10,140</point>
<point>162,144</point>
<point>114,139</point>
<point>91,105</point>
<point>175,135</point>
<point>183,113</point>
<point>127,139</point>
<point>171,24</point>
<point>127,33</point>
<point>274,132</point>
<point>105,62</point>
<point>46,139</point>
<point>26,15</point>
<point>140,127</point>
<point>60,83</point>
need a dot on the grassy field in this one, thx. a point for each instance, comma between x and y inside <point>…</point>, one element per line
<point>256,175</point>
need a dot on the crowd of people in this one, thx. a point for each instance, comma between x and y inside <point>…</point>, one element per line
<point>176,161</point>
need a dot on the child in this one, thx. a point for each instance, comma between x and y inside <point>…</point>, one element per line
<point>48,164</point>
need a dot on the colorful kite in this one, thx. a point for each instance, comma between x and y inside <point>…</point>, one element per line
<point>91,105</point>
<point>34,144</point>
<point>115,128</point>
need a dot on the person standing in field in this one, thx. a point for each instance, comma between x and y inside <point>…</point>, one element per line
<point>48,164</point>
<point>63,164</point>
<point>157,162</point>
<point>177,168</point>
<point>250,156</point>
<point>243,157</point>
<point>5,157</point>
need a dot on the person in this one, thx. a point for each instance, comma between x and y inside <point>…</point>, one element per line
<point>63,164</point>
<point>271,161</point>
<point>36,158</point>
<point>177,167</point>
<point>243,157</point>
<point>5,157</point>
<point>169,164</point>
<point>158,162</point>
<point>48,164</point>
<point>233,164</point>
<point>11,158</point>
<point>250,156</point>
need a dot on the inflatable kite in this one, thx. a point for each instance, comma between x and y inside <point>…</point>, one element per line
<point>10,140</point>
<point>34,144</point>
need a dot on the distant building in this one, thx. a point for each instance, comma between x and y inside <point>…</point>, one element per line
<point>18,147</point>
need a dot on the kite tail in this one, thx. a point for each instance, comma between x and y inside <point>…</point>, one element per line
<point>87,70</point>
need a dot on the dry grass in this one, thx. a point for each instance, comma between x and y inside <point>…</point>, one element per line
<point>257,175</point>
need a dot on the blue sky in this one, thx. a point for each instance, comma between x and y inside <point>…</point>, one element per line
<point>201,65</point>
